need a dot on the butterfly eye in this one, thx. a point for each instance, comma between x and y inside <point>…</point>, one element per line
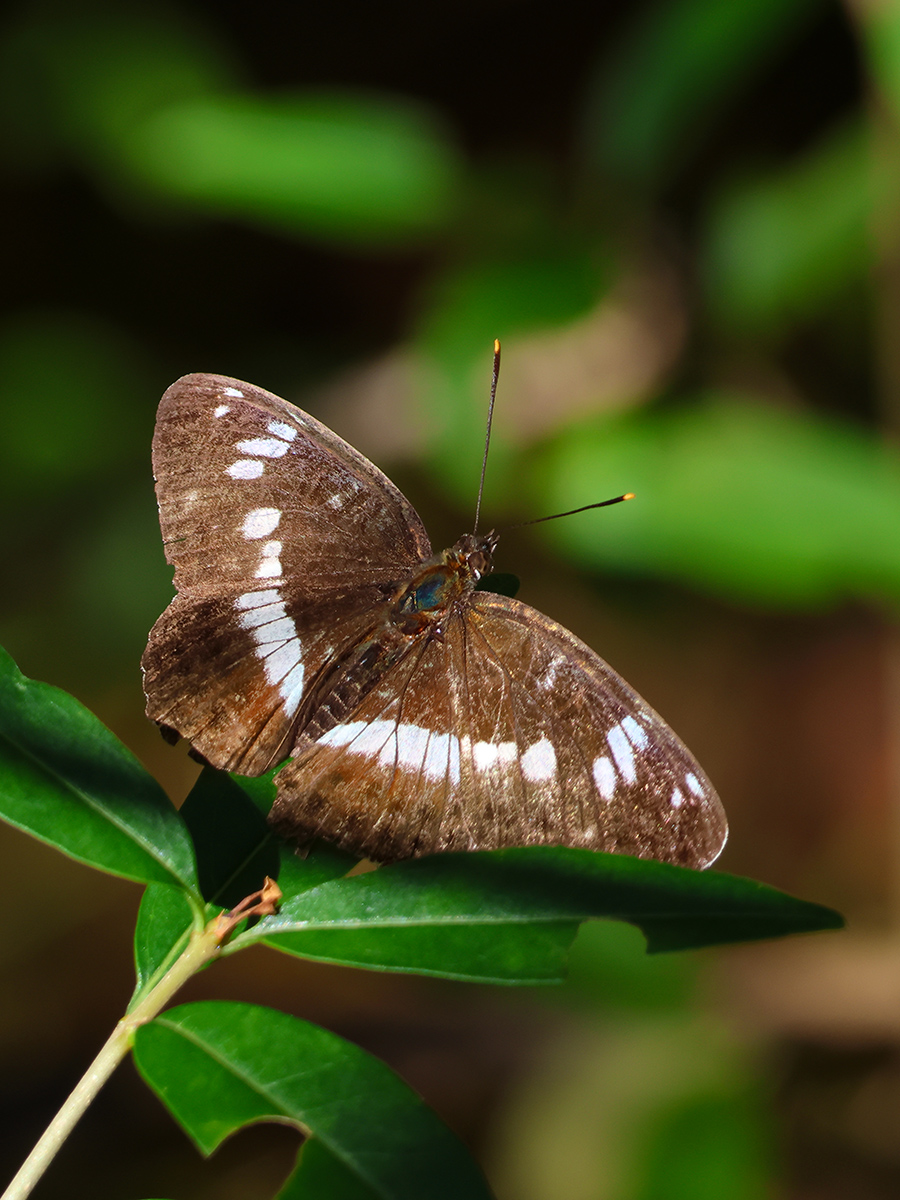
<point>479,563</point>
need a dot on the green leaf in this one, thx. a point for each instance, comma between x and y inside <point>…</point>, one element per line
<point>235,851</point>
<point>485,955</point>
<point>501,583</point>
<point>64,778</point>
<point>301,866</point>
<point>780,247</point>
<point>336,165</point>
<point>677,908</point>
<point>218,1066</point>
<point>748,501</point>
<point>165,920</point>
<point>490,953</point>
<point>672,75</point>
<point>235,848</point>
<point>320,1175</point>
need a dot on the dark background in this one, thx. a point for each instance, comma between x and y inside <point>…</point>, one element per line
<point>682,220</point>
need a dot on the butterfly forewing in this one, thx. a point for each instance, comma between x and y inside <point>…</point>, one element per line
<point>285,542</point>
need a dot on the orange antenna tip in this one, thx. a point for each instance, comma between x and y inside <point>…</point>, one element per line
<point>496,345</point>
<point>628,496</point>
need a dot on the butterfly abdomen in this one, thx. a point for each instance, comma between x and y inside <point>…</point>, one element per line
<point>346,682</point>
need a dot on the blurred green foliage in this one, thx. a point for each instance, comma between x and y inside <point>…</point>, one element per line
<point>750,501</point>
<point>780,248</point>
<point>681,214</point>
<point>657,97</point>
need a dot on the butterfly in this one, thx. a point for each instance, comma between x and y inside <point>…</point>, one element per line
<point>415,712</point>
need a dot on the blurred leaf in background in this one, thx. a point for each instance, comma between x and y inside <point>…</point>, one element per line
<point>674,72</point>
<point>751,501</point>
<point>680,217</point>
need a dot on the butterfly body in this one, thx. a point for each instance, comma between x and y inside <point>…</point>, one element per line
<point>418,714</point>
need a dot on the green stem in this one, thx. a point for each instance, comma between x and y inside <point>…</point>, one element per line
<point>202,948</point>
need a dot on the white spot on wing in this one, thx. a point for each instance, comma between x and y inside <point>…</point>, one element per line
<point>266,614</point>
<point>605,777</point>
<point>453,763</point>
<point>265,618</point>
<point>485,754</point>
<point>677,798</point>
<point>281,662</point>
<point>372,738</point>
<point>260,522</point>
<point>693,785</point>
<point>230,391</point>
<point>403,745</point>
<point>221,410</point>
<point>407,748</point>
<point>622,753</point>
<point>281,629</point>
<point>292,689</point>
<point>436,760</point>
<point>245,468</point>
<point>282,430</point>
<point>635,734</point>
<point>264,447</point>
<point>342,735</point>
<point>336,501</point>
<point>258,599</point>
<point>539,762</point>
<point>270,564</point>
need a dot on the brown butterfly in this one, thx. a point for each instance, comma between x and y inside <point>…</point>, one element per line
<point>418,714</point>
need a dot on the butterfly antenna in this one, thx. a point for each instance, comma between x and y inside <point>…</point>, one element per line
<point>495,375</point>
<point>572,511</point>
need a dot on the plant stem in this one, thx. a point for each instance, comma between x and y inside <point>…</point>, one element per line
<point>201,949</point>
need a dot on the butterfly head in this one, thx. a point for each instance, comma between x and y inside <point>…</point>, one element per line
<point>473,555</point>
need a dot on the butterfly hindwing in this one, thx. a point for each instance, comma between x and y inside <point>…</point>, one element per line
<point>506,730</point>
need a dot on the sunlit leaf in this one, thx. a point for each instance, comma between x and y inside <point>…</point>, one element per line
<point>334,165</point>
<point>779,247</point>
<point>218,1066</point>
<point>675,907</point>
<point>70,782</point>
<point>165,919</point>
